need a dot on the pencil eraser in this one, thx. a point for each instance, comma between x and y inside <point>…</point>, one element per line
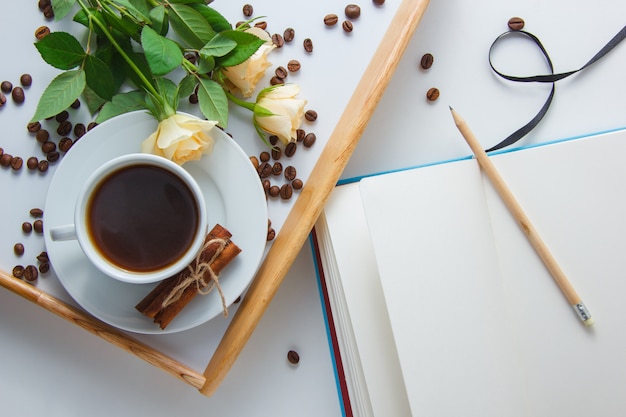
<point>589,322</point>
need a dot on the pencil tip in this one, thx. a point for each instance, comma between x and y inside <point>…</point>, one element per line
<point>450,108</point>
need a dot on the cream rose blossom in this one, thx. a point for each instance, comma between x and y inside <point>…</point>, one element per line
<point>245,76</point>
<point>278,111</point>
<point>180,138</point>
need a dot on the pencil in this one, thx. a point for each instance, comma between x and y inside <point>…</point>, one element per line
<point>518,213</point>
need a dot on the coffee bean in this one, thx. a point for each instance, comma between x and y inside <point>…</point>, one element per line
<point>309,140</point>
<point>42,32</point>
<point>79,130</point>
<point>274,191</point>
<point>16,163</point>
<point>48,147</point>
<point>5,160</point>
<point>331,19</point>
<point>353,11</point>
<point>45,267</point>
<point>65,144</point>
<point>290,173</point>
<point>42,166</point>
<point>264,170</point>
<point>18,271</point>
<point>266,185</point>
<point>273,140</point>
<point>290,149</point>
<point>27,227</point>
<point>516,23</point>
<point>432,94</point>
<point>277,81</point>
<point>33,127</point>
<point>43,257</point>
<point>255,161</point>
<point>271,234</point>
<point>278,40</point>
<point>297,184</point>
<point>310,115</point>
<point>293,357</point>
<point>281,72</point>
<point>276,153</point>
<point>43,4</point>
<point>286,191</point>
<point>18,249</point>
<point>65,127</point>
<point>76,104</point>
<point>261,25</point>
<point>42,135</point>
<point>48,12</point>
<point>308,45</point>
<point>1,152</point>
<point>26,80</point>
<point>265,156</point>
<point>289,34</point>
<point>293,65</point>
<point>36,212</point>
<point>379,2</point>
<point>427,61</point>
<point>38,226</point>
<point>3,99</point>
<point>18,95</point>
<point>6,87</point>
<point>63,116</point>
<point>32,162</point>
<point>53,156</point>
<point>31,273</point>
<point>300,135</point>
<point>347,26</point>
<point>248,10</point>
<point>277,168</point>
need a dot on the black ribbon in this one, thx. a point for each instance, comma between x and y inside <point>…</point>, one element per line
<point>547,78</point>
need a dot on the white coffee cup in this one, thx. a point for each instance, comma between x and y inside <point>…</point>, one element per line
<point>139,218</point>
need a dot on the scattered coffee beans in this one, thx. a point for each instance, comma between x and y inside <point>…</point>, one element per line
<point>293,357</point>
<point>278,40</point>
<point>290,173</point>
<point>281,72</point>
<point>286,191</point>
<point>65,144</point>
<point>48,12</point>
<point>255,161</point>
<point>5,160</point>
<point>76,104</point>
<point>277,80</point>
<point>33,127</point>
<point>309,140</point>
<point>248,10</point>
<point>379,2</point>
<point>427,61</point>
<point>26,80</point>
<point>32,162</point>
<point>18,271</point>
<point>38,226</point>
<point>274,191</point>
<point>310,115</point>
<point>432,94</point>
<point>16,163</point>
<point>42,166</point>
<point>277,169</point>
<point>516,23</point>
<point>45,267</point>
<point>347,26</point>
<point>48,146</point>
<point>6,87</point>
<point>331,19</point>
<point>300,134</point>
<point>18,95</point>
<point>290,149</point>
<point>261,25</point>
<point>353,11</point>
<point>65,127</point>
<point>293,65</point>
<point>271,234</point>
<point>79,130</point>
<point>3,99</point>
<point>36,212</point>
<point>53,156</point>
<point>31,273</point>
<point>63,116</point>
<point>42,135</point>
<point>265,156</point>
<point>297,184</point>
<point>18,249</point>
<point>276,153</point>
<point>308,45</point>
<point>27,227</point>
<point>43,257</point>
<point>289,34</point>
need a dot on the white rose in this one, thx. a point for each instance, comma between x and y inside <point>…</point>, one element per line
<point>180,138</point>
<point>245,76</point>
<point>278,112</point>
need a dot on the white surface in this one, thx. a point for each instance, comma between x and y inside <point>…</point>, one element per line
<point>234,199</point>
<point>480,326</point>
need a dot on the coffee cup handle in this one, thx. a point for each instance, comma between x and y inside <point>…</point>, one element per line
<point>66,232</point>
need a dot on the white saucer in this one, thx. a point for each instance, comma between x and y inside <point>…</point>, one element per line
<point>234,198</point>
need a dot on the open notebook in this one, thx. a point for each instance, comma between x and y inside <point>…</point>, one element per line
<point>443,307</point>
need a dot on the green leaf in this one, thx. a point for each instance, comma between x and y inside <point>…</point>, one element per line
<point>62,8</point>
<point>60,93</point>
<point>168,89</point>
<point>162,54</point>
<point>94,102</point>
<point>124,24</point>
<point>106,52</point>
<point>218,46</point>
<point>122,103</point>
<point>186,86</point>
<point>99,77</point>
<point>61,50</point>
<point>190,25</point>
<point>213,102</point>
<point>247,44</point>
<point>205,64</point>
<point>159,20</point>
<point>218,22</point>
<point>134,11</point>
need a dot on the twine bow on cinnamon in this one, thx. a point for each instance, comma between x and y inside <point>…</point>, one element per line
<point>168,298</point>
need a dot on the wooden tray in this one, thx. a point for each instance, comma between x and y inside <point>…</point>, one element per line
<point>293,231</point>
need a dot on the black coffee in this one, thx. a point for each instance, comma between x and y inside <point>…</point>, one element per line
<point>142,218</point>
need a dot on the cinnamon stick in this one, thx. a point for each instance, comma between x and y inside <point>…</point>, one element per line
<point>152,305</point>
